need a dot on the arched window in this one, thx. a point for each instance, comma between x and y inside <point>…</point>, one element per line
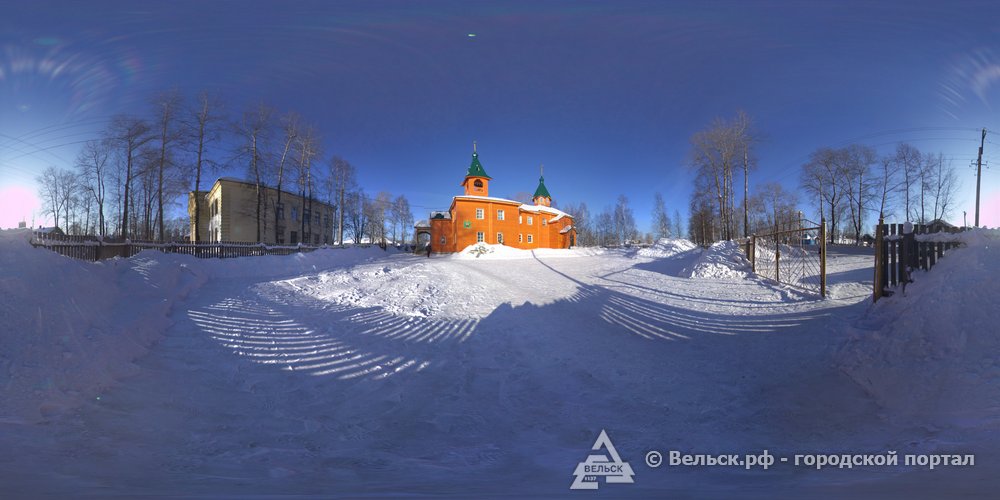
<point>478,183</point>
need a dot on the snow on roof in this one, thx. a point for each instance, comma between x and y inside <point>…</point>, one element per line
<point>559,214</point>
<point>566,229</point>
<point>488,198</point>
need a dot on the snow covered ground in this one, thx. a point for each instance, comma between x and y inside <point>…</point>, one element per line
<point>364,373</point>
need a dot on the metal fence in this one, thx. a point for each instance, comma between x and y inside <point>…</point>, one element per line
<point>795,257</point>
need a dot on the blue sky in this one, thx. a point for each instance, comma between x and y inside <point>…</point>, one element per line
<point>605,94</point>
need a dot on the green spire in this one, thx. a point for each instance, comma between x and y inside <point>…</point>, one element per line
<point>541,191</point>
<point>476,168</point>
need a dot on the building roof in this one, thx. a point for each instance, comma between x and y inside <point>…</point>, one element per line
<point>541,191</point>
<point>538,209</point>
<point>476,168</point>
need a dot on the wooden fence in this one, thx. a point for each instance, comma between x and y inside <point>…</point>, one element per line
<point>898,253</point>
<point>94,248</point>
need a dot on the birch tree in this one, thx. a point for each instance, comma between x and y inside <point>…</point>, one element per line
<point>204,127</point>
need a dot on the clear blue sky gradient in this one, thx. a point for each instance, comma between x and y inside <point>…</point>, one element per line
<point>605,94</point>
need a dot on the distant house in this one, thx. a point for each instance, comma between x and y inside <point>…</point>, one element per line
<point>228,212</point>
<point>477,217</point>
<point>52,231</point>
<point>940,226</point>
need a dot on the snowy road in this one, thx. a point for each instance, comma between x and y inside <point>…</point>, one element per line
<point>451,377</point>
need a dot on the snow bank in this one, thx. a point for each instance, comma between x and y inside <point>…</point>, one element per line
<point>723,260</point>
<point>73,328</point>
<point>667,247</point>
<point>931,356</point>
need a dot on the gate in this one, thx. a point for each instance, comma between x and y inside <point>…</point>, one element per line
<point>794,257</point>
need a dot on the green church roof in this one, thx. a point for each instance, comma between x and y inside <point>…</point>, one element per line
<point>476,169</point>
<point>541,191</point>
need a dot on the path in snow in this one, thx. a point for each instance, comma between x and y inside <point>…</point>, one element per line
<point>463,377</point>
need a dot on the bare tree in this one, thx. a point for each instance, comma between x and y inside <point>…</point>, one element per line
<point>51,191</point>
<point>661,221</point>
<point>255,129</point>
<point>909,162</point>
<point>356,213</point>
<point>128,134</point>
<point>204,127</point>
<point>715,153</point>
<point>166,105</point>
<point>581,223</point>
<point>604,228</point>
<point>342,179</point>
<point>773,208</point>
<point>306,150</point>
<point>821,179</point>
<point>944,187</point>
<point>290,126</point>
<point>858,183</point>
<point>624,221</point>
<point>678,229</point>
<point>94,164</point>
<point>887,184</point>
<point>402,217</point>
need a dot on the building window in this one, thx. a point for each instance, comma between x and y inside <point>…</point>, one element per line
<point>520,219</point>
<point>544,220</point>
<point>480,237</point>
<point>279,211</point>
<point>530,220</point>
<point>520,238</point>
<point>530,239</point>
<point>295,235</point>
<point>480,214</point>
<point>315,239</point>
<point>499,214</point>
<point>500,238</point>
<point>478,183</point>
<point>295,213</point>
<point>443,240</point>
<point>316,219</point>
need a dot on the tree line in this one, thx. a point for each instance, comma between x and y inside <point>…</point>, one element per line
<point>123,182</point>
<point>848,186</point>
<point>857,183</point>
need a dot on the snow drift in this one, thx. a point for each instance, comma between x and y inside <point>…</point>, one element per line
<point>73,328</point>
<point>667,247</point>
<point>930,357</point>
<point>723,260</point>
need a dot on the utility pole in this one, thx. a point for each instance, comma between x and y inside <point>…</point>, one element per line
<point>979,173</point>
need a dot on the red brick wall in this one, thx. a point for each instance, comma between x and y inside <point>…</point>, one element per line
<point>458,236</point>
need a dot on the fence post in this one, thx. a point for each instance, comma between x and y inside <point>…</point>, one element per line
<point>879,263</point>
<point>822,257</point>
<point>753,253</point>
<point>909,255</point>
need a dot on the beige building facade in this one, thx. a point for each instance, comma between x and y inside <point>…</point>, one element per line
<point>228,212</point>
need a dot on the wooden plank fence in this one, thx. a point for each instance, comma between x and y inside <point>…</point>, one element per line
<point>93,248</point>
<point>898,253</point>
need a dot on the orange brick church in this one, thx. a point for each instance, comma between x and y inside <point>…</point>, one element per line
<point>478,217</point>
